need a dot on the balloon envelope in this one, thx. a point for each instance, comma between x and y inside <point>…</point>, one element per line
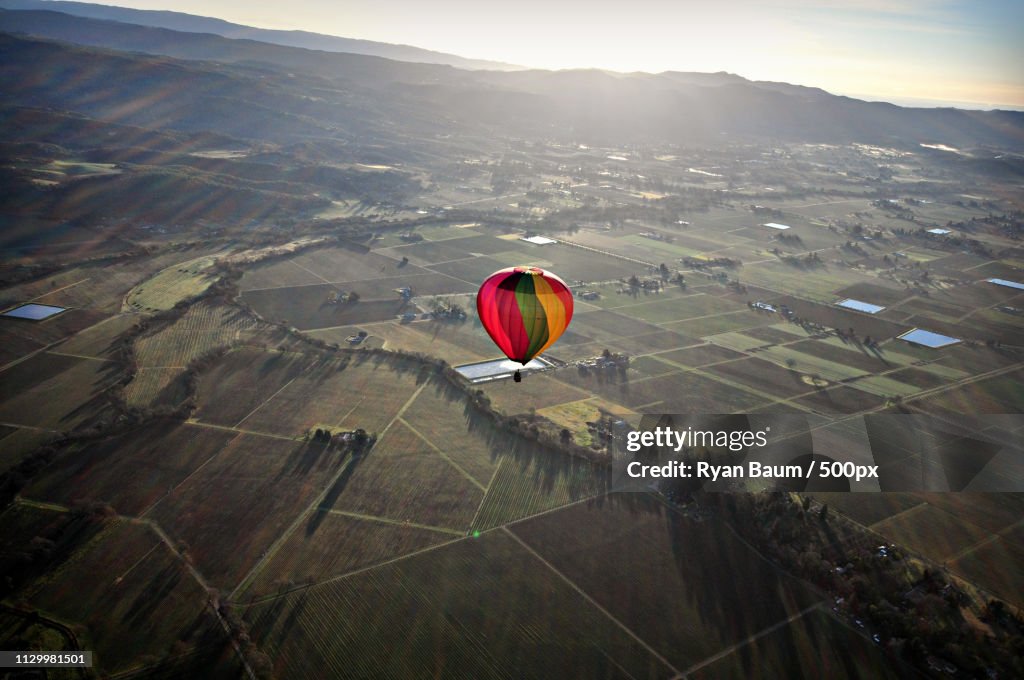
<point>524,309</point>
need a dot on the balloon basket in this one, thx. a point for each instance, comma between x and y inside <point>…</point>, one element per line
<point>517,376</point>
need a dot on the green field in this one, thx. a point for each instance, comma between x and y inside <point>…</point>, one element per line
<point>172,285</point>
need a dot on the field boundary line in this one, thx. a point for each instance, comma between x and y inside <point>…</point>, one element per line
<point>163,537</point>
<point>29,427</point>
<point>991,538</point>
<point>483,500</point>
<point>527,518</point>
<point>46,348</point>
<point>311,508</point>
<point>350,411</point>
<point>228,428</point>
<point>142,515</point>
<point>905,511</point>
<point>83,356</point>
<point>308,270</point>
<point>751,638</point>
<point>626,629</point>
<point>340,283</point>
<point>41,505</point>
<point>70,285</point>
<point>354,572</point>
<point>443,455</point>
<point>395,522</point>
<point>268,399</point>
<point>661,299</point>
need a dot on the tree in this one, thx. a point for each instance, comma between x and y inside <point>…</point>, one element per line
<point>565,436</point>
<point>353,297</point>
<point>823,513</point>
<point>634,284</point>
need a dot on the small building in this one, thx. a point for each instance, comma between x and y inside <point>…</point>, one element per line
<point>776,225</point>
<point>860,306</point>
<point>538,240</point>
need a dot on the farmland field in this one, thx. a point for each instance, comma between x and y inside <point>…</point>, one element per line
<point>595,545</point>
<point>100,340</point>
<point>54,391</point>
<point>171,285</point>
<point>242,381</point>
<point>404,478</point>
<point>244,449</point>
<point>340,544</point>
<point>421,617</point>
<point>158,458</point>
<point>344,393</point>
<point>869,508</point>
<point>471,441</point>
<point>235,506</point>
<point>202,328</point>
<point>155,387</point>
<point>931,531</point>
<point>16,443</point>
<point>529,481</point>
<point>813,644</point>
<point>995,566</point>
<point>308,307</point>
<point>133,596</point>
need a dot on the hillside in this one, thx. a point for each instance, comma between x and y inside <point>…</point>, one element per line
<point>179,21</point>
<point>327,94</point>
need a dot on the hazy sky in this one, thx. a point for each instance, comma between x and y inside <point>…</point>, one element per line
<point>938,50</point>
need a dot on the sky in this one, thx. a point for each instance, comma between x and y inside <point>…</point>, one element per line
<point>929,52</point>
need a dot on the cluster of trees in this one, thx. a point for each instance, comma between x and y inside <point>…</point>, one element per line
<point>914,608</point>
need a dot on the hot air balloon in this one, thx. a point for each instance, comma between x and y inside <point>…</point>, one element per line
<point>524,309</point>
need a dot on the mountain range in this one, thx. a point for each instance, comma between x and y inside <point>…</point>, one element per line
<point>258,90</point>
<point>189,23</point>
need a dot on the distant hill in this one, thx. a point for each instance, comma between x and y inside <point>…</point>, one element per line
<point>189,23</point>
<point>256,90</point>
